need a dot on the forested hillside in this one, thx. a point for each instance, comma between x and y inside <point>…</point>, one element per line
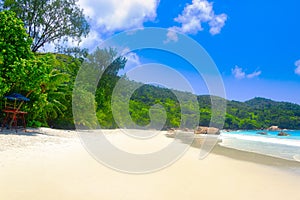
<point>253,114</point>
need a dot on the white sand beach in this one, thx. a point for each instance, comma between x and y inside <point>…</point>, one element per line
<point>51,164</point>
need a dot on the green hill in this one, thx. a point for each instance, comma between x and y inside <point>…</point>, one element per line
<point>256,113</point>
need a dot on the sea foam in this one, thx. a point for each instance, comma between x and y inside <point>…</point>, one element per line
<point>290,142</point>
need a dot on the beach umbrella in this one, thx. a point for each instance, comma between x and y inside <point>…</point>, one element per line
<point>17,97</point>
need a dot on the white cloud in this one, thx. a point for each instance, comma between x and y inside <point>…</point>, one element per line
<point>171,36</point>
<point>254,74</point>
<point>297,70</point>
<point>116,15</point>
<point>92,40</point>
<point>239,73</point>
<point>217,24</point>
<point>133,60</point>
<point>109,16</point>
<point>197,13</point>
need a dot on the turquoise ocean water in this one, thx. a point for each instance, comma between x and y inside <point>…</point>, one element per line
<point>285,147</point>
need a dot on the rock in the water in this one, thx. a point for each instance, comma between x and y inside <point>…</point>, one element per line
<point>283,134</point>
<point>274,128</point>
<point>207,130</point>
<point>262,133</point>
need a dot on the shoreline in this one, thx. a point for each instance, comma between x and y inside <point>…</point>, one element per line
<point>292,166</point>
<point>266,160</point>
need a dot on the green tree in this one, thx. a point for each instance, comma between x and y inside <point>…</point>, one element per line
<point>50,21</point>
<point>96,78</point>
<point>14,50</point>
<point>35,76</point>
<point>56,88</point>
<point>66,68</point>
<point>38,79</point>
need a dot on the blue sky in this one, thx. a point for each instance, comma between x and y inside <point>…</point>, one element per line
<point>255,44</point>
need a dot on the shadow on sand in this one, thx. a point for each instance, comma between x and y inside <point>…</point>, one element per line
<point>28,132</point>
